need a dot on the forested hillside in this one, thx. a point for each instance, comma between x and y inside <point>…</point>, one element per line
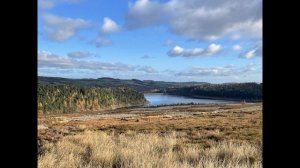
<point>139,85</point>
<point>66,99</point>
<point>240,91</point>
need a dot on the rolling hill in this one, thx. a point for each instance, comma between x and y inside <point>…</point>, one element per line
<point>139,85</point>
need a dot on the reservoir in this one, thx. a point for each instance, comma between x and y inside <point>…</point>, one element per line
<point>165,99</point>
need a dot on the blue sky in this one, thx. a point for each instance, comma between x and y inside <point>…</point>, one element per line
<point>168,40</point>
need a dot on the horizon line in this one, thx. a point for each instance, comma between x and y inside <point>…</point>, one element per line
<point>148,80</point>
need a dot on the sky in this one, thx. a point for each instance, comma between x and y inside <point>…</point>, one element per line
<point>164,40</point>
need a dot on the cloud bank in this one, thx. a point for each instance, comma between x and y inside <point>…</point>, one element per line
<point>228,70</point>
<point>199,19</point>
<point>50,60</point>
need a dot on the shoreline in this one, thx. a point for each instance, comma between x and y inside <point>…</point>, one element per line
<point>209,98</point>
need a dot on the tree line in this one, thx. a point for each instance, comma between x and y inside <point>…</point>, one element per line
<point>139,85</point>
<point>67,98</point>
<point>241,91</point>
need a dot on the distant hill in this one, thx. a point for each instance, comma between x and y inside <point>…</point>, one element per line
<point>235,91</point>
<point>139,85</point>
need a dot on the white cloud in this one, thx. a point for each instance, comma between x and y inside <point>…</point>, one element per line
<point>144,13</point>
<point>213,48</point>
<point>47,59</point>
<point>50,60</point>
<point>228,70</point>
<point>179,51</point>
<point>254,52</point>
<point>207,72</point>
<point>59,28</point>
<point>176,51</point>
<point>109,26</point>
<point>236,47</point>
<point>79,54</point>
<point>47,4</point>
<point>249,54</point>
<point>250,28</point>
<point>199,19</point>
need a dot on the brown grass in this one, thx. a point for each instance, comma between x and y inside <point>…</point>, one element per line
<point>99,149</point>
<point>172,136</point>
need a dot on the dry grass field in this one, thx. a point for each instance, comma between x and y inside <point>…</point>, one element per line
<point>201,136</point>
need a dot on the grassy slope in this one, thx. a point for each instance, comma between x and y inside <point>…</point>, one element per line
<point>180,136</point>
<point>99,149</point>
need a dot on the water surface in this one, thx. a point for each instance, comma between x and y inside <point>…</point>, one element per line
<point>160,99</point>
